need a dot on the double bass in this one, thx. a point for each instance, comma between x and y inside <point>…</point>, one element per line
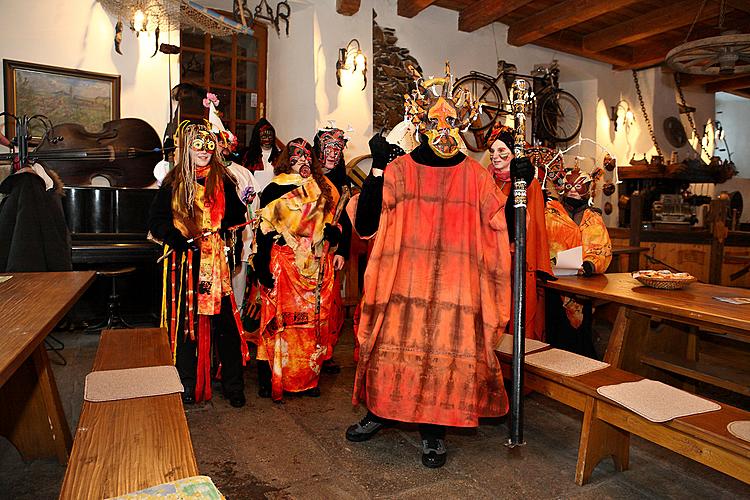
<point>125,152</point>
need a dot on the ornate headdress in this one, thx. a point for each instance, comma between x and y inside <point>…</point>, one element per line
<point>440,115</point>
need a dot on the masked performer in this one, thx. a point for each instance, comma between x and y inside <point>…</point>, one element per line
<point>328,150</point>
<point>437,285</point>
<point>197,198</point>
<point>293,240</point>
<point>262,153</point>
<point>500,141</point>
<point>571,222</point>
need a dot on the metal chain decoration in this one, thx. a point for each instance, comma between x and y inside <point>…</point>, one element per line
<point>689,114</point>
<point>645,114</point>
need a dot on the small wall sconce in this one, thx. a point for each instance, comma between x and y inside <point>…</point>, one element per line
<point>351,58</point>
<point>622,115</point>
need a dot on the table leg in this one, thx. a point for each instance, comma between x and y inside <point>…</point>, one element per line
<point>31,414</point>
<point>598,441</point>
<point>613,355</point>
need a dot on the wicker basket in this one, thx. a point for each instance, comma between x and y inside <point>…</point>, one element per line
<point>666,284</point>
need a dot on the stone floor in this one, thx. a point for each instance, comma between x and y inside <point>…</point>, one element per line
<point>298,450</point>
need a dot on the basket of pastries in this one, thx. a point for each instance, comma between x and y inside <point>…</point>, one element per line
<point>664,280</point>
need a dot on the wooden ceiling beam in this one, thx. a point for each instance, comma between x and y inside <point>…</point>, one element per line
<point>740,82</point>
<point>560,16</point>
<point>743,5</point>
<point>484,12</point>
<point>347,7</point>
<point>657,21</point>
<point>573,44</point>
<point>410,8</point>
<point>687,80</point>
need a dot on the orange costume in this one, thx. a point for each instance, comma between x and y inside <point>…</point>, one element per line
<point>436,297</point>
<point>294,338</point>
<point>537,255</point>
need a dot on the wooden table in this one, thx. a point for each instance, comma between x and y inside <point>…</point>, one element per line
<point>31,415</point>
<point>128,445</point>
<point>636,347</point>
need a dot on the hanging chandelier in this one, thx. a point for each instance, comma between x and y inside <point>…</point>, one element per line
<point>726,54</point>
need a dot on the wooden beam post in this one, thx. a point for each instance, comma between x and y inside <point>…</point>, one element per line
<point>657,21</point>
<point>737,83</point>
<point>484,12</point>
<point>347,7</point>
<point>410,8</point>
<point>559,17</point>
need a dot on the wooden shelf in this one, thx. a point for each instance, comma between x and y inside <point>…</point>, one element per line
<point>717,375</point>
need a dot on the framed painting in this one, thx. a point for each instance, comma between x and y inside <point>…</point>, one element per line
<point>62,95</point>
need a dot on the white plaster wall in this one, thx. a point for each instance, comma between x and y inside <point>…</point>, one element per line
<point>79,34</point>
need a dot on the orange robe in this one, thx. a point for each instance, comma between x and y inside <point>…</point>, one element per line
<point>294,338</point>
<point>537,256</point>
<point>436,297</point>
<point>591,235</point>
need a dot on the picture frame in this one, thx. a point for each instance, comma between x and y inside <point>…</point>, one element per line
<point>63,95</point>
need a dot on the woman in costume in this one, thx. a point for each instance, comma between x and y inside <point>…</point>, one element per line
<point>572,222</point>
<point>294,267</point>
<point>198,200</point>
<point>500,142</point>
<point>328,151</point>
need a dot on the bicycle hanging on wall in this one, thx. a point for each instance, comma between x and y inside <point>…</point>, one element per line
<point>556,114</point>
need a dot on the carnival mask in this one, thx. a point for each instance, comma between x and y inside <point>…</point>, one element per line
<point>440,116</point>
<point>332,144</point>
<point>300,157</point>
<point>267,137</point>
<point>577,184</point>
<point>204,141</point>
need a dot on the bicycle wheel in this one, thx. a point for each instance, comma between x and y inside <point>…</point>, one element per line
<point>488,94</point>
<point>561,116</point>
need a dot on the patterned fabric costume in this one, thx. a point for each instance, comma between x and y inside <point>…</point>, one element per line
<point>436,297</point>
<point>293,338</point>
<point>197,301</point>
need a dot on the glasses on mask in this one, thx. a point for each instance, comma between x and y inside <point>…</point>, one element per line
<point>199,144</point>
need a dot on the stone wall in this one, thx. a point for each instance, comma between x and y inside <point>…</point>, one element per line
<point>391,81</point>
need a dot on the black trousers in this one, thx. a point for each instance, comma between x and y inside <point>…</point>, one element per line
<point>225,341</point>
<point>426,431</point>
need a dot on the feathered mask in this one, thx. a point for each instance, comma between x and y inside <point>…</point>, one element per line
<point>440,115</point>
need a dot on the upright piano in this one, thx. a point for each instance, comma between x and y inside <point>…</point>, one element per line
<point>108,227</point>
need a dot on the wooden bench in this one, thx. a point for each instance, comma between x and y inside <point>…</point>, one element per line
<point>125,446</point>
<point>607,426</point>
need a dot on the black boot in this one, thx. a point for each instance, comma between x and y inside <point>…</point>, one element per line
<point>434,452</point>
<point>264,379</point>
<point>366,428</point>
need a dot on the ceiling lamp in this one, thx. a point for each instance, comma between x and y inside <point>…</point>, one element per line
<point>727,54</point>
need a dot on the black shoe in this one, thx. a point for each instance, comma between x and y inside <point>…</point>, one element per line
<point>330,367</point>
<point>188,396</point>
<point>433,453</point>
<point>311,393</point>
<point>237,400</point>
<point>365,429</point>
<point>264,392</point>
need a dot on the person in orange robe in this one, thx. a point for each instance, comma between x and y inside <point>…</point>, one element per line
<point>295,232</point>
<point>570,223</point>
<point>500,142</point>
<point>437,284</point>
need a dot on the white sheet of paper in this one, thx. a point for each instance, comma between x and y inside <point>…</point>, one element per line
<point>569,262</point>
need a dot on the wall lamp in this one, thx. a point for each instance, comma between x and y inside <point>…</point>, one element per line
<point>622,115</point>
<point>351,58</point>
